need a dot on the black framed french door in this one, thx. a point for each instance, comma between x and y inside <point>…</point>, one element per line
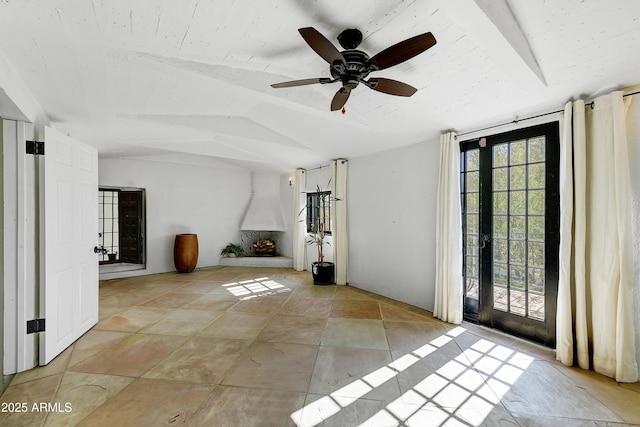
<point>511,214</point>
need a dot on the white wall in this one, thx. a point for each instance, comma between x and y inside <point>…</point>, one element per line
<point>285,242</point>
<point>392,216</point>
<point>208,201</point>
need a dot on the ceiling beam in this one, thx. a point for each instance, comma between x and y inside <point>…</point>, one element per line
<point>492,25</point>
<point>16,100</point>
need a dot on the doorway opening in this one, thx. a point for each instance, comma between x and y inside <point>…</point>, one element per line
<point>121,225</point>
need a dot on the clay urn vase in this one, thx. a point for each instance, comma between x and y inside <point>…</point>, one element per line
<point>185,252</point>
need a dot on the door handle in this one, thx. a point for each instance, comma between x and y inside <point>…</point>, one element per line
<point>485,238</point>
<point>99,250</point>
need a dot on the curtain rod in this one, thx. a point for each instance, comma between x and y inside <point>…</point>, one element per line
<point>516,121</point>
<point>319,167</point>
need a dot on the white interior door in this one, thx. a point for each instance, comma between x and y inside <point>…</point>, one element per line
<point>69,232</point>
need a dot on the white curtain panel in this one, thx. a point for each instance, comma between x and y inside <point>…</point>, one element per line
<point>448,295</point>
<point>339,169</point>
<point>299,227</point>
<point>595,289</point>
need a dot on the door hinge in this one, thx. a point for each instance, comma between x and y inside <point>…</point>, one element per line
<point>35,325</point>
<point>35,147</point>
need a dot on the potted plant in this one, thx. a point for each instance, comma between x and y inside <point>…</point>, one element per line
<point>232,249</point>
<point>323,271</point>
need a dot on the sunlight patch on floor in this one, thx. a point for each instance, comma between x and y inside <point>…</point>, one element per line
<point>248,289</point>
<point>463,392</point>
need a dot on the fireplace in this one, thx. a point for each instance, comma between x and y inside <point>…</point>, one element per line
<point>259,243</point>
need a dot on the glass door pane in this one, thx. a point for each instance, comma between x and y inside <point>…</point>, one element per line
<point>470,199</point>
<point>518,171</point>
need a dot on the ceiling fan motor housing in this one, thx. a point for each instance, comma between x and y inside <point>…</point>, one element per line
<point>355,69</point>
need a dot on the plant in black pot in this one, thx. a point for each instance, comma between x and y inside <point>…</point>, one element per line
<point>323,271</point>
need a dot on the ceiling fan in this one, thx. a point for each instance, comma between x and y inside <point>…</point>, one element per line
<point>351,66</point>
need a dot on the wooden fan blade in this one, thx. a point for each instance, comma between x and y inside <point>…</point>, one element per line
<point>392,87</point>
<point>302,82</point>
<point>401,52</point>
<point>321,45</point>
<point>340,98</point>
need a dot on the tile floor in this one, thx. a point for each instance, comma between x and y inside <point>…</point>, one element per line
<point>233,346</point>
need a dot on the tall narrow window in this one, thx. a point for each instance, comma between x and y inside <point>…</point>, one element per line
<point>470,199</point>
<point>319,211</point>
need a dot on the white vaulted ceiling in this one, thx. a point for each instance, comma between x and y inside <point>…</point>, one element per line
<point>152,77</point>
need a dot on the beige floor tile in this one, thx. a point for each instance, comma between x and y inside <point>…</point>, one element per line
<point>57,366</point>
<point>25,395</point>
<point>433,367</point>
<point>393,312</point>
<point>248,407</point>
<point>243,326</point>
<point>163,286</point>
<point>622,399</point>
<point>308,307</point>
<point>314,291</point>
<point>200,360</point>
<point>133,319</point>
<point>351,293</point>
<point>327,411</point>
<point>279,345</point>
<point>105,312</point>
<point>268,304</point>
<point>276,366</point>
<point>182,321</point>
<point>541,420</point>
<point>147,402</point>
<point>132,356</point>
<point>93,342</point>
<point>409,336</point>
<point>294,329</point>
<point>201,286</point>
<point>356,309</point>
<point>212,302</point>
<point>417,410</point>
<point>128,299</point>
<point>223,276</point>
<point>541,385</point>
<point>354,373</point>
<point>84,393</point>
<point>172,300</point>
<point>359,333</point>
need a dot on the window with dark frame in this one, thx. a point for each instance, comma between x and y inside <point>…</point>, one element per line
<point>121,225</point>
<point>108,225</point>
<point>318,212</point>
